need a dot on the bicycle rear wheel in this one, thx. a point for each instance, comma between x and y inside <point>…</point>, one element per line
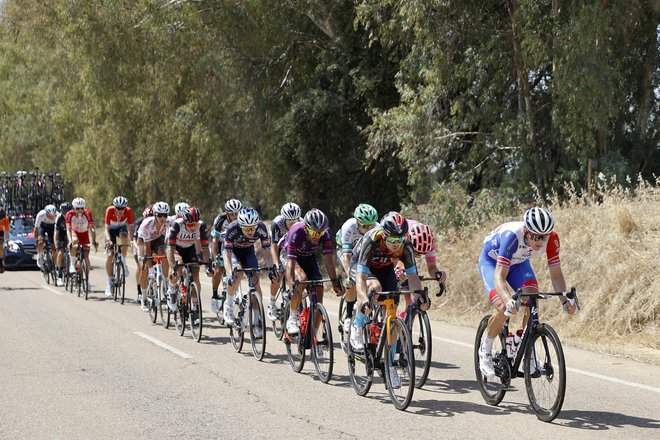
<point>322,348</point>
<point>545,373</point>
<point>420,335</point>
<point>360,363</point>
<point>492,389</point>
<point>257,326</point>
<point>195,312</point>
<point>400,363</point>
<point>151,301</point>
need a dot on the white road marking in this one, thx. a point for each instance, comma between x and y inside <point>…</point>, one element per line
<point>56,292</point>
<point>161,344</point>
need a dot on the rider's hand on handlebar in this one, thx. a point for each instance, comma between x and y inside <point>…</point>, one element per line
<point>569,307</point>
<point>510,308</point>
<point>441,276</point>
<point>337,287</point>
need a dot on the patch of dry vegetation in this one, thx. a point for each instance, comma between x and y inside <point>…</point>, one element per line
<point>609,251</point>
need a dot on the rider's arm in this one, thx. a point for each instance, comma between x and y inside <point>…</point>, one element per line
<point>557,278</point>
<point>346,260</point>
<point>68,233</point>
<point>226,256</point>
<point>501,272</point>
<point>329,261</point>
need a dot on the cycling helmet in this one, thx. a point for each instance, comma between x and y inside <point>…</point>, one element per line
<point>233,206</point>
<point>538,221</point>
<point>50,210</point>
<point>191,215</point>
<point>366,214</point>
<point>290,211</point>
<point>394,224</point>
<point>248,217</point>
<point>422,239</point>
<point>148,211</point>
<point>120,202</point>
<point>65,207</point>
<point>161,208</point>
<point>180,207</point>
<point>316,220</point>
<point>78,202</point>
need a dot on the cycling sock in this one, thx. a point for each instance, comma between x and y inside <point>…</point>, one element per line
<point>139,289</point>
<point>350,305</point>
<point>215,293</point>
<point>487,344</point>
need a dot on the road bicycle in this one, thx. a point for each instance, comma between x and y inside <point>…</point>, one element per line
<point>315,332</point>
<point>249,310</point>
<point>220,315</point>
<point>48,265</point>
<point>189,303</point>
<point>281,308</point>
<point>388,349</point>
<point>540,353</point>
<point>118,273</point>
<point>157,291</point>
<point>79,280</point>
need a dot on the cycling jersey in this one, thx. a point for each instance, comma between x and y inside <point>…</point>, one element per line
<point>297,244</point>
<point>349,235</point>
<point>278,228</point>
<point>80,224</point>
<point>118,220</point>
<point>430,256</point>
<point>220,224</point>
<point>235,238</point>
<point>506,245</point>
<point>181,237</point>
<point>371,252</point>
<point>138,223</point>
<point>42,219</point>
<point>60,225</point>
<point>150,231</point>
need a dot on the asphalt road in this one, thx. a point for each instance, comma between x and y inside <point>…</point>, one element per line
<point>97,369</point>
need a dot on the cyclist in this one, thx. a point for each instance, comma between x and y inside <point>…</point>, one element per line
<point>118,223</point>
<point>301,243</point>
<point>79,227</point>
<point>238,249</point>
<point>4,237</point>
<point>147,212</point>
<point>220,224</point>
<point>186,236</point>
<point>151,238</point>
<point>44,230</point>
<point>365,218</point>
<point>289,214</point>
<point>179,209</point>
<point>61,242</point>
<point>505,259</point>
<point>374,257</point>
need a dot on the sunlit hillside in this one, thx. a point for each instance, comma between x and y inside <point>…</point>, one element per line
<point>609,251</point>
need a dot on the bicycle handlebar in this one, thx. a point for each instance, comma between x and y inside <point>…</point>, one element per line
<point>443,288</point>
<point>570,295</point>
<point>394,293</point>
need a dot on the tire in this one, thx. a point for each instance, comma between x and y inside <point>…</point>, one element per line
<point>180,315</point>
<point>161,301</point>
<point>221,309</point>
<point>46,270</point>
<point>151,294</point>
<point>492,389</point>
<point>84,278</point>
<point>422,342</point>
<point>295,347</point>
<point>360,363</point>
<point>121,282</point>
<point>322,347</point>
<point>280,322</point>
<point>343,341</point>
<point>258,344</point>
<point>195,318</point>
<point>399,359</point>
<point>546,385</point>
<point>236,334</point>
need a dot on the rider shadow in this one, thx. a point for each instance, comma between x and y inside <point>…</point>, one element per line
<point>18,288</point>
<point>450,408</point>
<point>603,420</point>
<point>215,340</point>
<point>450,386</point>
<point>275,359</point>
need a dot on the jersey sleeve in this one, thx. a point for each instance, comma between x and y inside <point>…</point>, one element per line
<point>230,235</point>
<point>203,234</point>
<point>129,215</point>
<point>108,215</point>
<point>38,219</point>
<point>171,235</point>
<point>263,235</point>
<point>326,242</point>
<point>552,249</point>
<point>89,217</point>
<point>508,246</point>
<point>293,244</point>
<point>346,242</point>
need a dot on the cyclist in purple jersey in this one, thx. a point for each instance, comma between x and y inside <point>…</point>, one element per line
<point>301,244</point>
<point>238,249</point>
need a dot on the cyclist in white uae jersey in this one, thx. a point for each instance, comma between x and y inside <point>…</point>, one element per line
<point>505,260</point>
<point>44,231</point>
<point>151,241</point>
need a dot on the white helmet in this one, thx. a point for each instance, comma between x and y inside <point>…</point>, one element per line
<point>180,208</point>
<point>50,210</point>
<point>232,206</point>
<point>538,221</point>
<point>161,208</point>
<point>78,202</point>
<point>120,202</point>
<point>290,211</point>
<point>248,217</point>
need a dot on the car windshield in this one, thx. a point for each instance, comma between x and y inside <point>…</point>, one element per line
<point>21,225</point>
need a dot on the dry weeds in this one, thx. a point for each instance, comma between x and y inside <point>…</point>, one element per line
<point>609,251</point>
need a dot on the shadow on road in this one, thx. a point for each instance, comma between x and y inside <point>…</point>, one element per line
<point>602,420</point>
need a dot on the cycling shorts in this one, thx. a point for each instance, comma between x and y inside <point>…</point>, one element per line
<point>520,275</point>
<point>47,232</point>
<point>114,233</point>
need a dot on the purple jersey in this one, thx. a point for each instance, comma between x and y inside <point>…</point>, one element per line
<point>297,244</point>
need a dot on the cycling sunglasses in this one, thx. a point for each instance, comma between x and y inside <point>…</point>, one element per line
<point>248,229</point>
<point>161,215</point>
<point>534,237</point>
<point>313,233</point>
<point>395,240</point>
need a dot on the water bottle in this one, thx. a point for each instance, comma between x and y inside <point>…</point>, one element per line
<point>509,346</point>
<point>303,320</point>
<point>375,332</point>
<point>516,341</point>
<point>152,273</point>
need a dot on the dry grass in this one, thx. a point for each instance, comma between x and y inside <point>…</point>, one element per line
<point>609,252</point>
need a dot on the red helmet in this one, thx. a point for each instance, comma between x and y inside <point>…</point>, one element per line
<point>148,211</point>
<point>191,215</point>
<point>422,239</point>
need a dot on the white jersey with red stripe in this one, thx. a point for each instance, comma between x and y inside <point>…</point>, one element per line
<point>79,222</point>
<point>149,230</point>
<point>506,245</point>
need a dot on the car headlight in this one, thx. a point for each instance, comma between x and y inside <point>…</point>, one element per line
<point>15,245</point>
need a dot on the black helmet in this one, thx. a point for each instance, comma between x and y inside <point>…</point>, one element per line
<point>316,220</point>
<point>65,207</point>
<point>394,224</point>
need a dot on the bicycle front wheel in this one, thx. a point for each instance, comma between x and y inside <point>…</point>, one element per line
<point>545,373</point>
<point>322,349</point>
<point>295,348</point>
<point>492,389</point>
<point>280,321</point>
<point>236,334</point>
<point>161,301</point>
<point>360,362</point>
<point>400,365</point>
<point>151,301</point>
<point>257,326</point>
<point>420,335</point>
<point>195,312</point>
<point>181,314</point>
<point>46,268</point>
<point>343,333</point>
<point>84,278</point>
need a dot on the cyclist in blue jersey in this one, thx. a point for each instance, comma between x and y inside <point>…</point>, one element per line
<point>218,231</point>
